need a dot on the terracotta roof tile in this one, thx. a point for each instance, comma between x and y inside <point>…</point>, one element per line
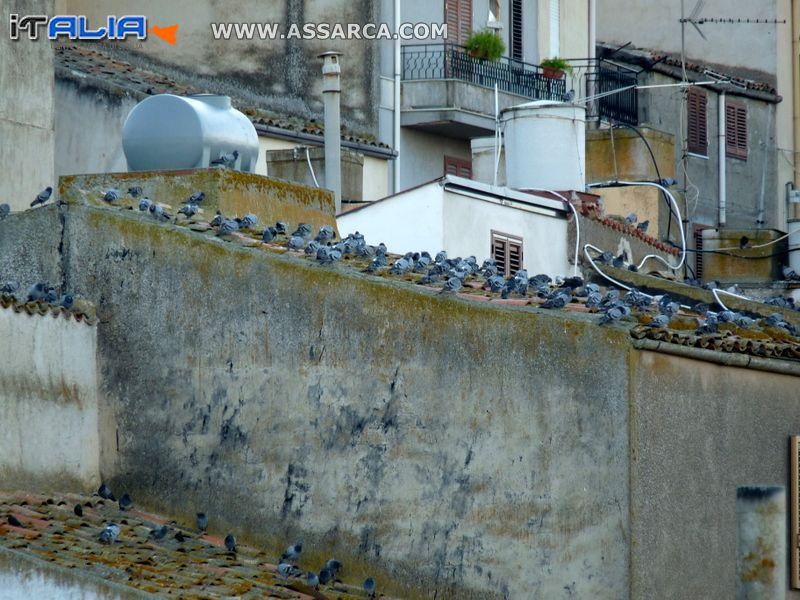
<point>82,314</point>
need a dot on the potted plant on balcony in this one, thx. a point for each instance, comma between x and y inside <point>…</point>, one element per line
<point>555,67</point>
<point>485,44</point>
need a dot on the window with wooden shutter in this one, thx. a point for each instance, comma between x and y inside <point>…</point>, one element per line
<point>507,253</point>
<point>516,30</point>
<point>736,130</point>
<point>698,246</point>
<point>458,16</point>
<point>459,167</point>
<point>697,122</point>
<point>794,517</point>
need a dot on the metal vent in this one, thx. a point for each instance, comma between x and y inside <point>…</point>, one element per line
<point>794,493</point>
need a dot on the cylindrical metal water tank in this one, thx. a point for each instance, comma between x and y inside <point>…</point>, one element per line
<point>168,132</point>
<point>545,145</point>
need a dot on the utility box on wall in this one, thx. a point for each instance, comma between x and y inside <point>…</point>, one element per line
<point>726,263</point>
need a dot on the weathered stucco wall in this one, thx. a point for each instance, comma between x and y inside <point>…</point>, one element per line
<point>453,444</point>
<point>698,431</point>
<point>48,402</point>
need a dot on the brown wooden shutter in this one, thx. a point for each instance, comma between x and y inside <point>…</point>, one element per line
<point>698,246</point>
<point>516,30</point>
<point>736,130</point>
<point>794,517</point>
<point>458,16</point>
<point>507,253</point>
<point>697,122</point>
<point>459,167</point>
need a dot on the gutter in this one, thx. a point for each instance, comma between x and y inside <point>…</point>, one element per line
<point>318,140</point>
<point>744,361</point>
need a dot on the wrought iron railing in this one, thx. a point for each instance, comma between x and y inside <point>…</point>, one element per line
<point>448,61</point>
<point>610,87</point>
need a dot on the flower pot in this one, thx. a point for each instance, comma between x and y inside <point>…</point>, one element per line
<point>553,73</point>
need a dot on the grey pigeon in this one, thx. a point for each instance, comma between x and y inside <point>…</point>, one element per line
<point>37,292</point>
<point>776,320</point>
<point>369,587</point>
<point>125,503</point>
<point>312,580</point>
<point>660,321</point>
<point>281,227</point>
<point>145,204</point>
<point>568,96</point>
<point>202,521</point>
<point>9,287</point>
<point>230,543</point>
<point>303,230</point>
<point>452,285</point>
<point>42,196</point>
<point>334,566</point>
<point>559,300</point>
<point>789,273</point>
<point>726,316</point>
<point>112,195</point>
<point>78,510</point>
<point>296,243</point>
<point>195,198</point>
<point>402,265</point>
<point>643,226</point>
<point>744,321</point>
<point>105,492</point>
<point>440,257</point>
<point>325,576</point>
<point>225,160</point>
<point>631,219</point>
<point>218,219</point>
<point>539,280</point>
<point>159,533</point>
<point>227,227</point>
<point>287,570</point>
<point>606,258</point>
<point>249,221</point>
<point>614,313</point>
<point>157,212</point>
<point>292,553</point>
<point>326,233</point>
<point>593,300</point>
<point>327,255</point>
<point>619,261</point>
<point>180,537</point>
<point>311,249</point>
<point>5,210</point>
<point>110,534</point>
<point>189,210</point>
<point>67,300</point>
<point>379,262</point>
<point>496,283</point>
<point>269,235</point>
<point>135,191</point>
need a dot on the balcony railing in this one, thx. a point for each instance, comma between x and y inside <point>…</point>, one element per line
<point>613,86</point>
<point>448,61</point>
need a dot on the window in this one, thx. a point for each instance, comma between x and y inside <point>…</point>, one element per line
<point>459,167</point>
<point>696,121</point>
<point>458,16</point>
<point>516,29</point>
<point>736,130</point>
<point>507,252</point>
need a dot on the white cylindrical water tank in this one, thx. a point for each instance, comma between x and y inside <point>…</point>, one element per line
<point>168,132</point>
<point>545,145</point>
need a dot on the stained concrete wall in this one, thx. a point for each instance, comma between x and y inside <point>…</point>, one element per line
<point>26,109</point>
<point>48,402</point>
<point>238,384</point>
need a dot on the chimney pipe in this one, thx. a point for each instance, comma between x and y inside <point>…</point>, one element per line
<point>331,92</point>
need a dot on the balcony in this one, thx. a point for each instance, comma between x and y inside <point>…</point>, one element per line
<point>446,91</point>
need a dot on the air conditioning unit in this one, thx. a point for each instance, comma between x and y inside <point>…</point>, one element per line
<point>794,196</point>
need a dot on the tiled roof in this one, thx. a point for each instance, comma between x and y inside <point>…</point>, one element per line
<point>197,567</point>
<point>82,312</point>
<point>88,65</point>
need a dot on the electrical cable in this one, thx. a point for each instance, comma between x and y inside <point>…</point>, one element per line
<point>577,223</point>
<point>310,168</point>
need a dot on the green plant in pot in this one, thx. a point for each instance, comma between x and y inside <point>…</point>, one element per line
<point>555,67</point>
<point>485,44</point>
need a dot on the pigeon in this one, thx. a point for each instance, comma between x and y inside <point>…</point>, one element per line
<point>559,300</point>
<point>292,553</point>
<point>202,521</point>
<point>776,320</point>
<point>643,226</point>
<point>614,313</point>
<point>619,261</point>
<point>326,233</point>
<point>440,257</point>
<point>452,285</point>
<point>631,219</point>
<point>379,262</point>
<point>281,227</point>
<point>42,196</point>
<point>110,534</point>
<point>158,213</point>
<point>325,576</point>
<point>105,492</point>
<point>744,321</point>
<point>568,96</point>
<point>296,243</point>
<point>230,543</point>
<point>667,307</point>
<point>402,265</point>
<point>369,587</point>
<point>312,580</point>
<point>67,300</point>
<point>225,160</point>
<point>311,249</point>
<point>195,198</point>
<point>125,503</point>
<point>78,510</point>
<point>286,570</point>
<point>112,195</point>
<point>145,204</point>
<point>422,262</point>
<point>660,321</point>
<point>14,521</point>
<point>269,235</point>
<point>180,537</point>
<point>37,292</point>
<point>189,210</point>
<point>593,300</point>
<point>5,210</point>
<point>334,566</point>
<point>159,533</point>
<point>227,227</point>
<point>788,272</point>
<point>9,287</point>
<point>327,255</point>
<point>135,191</point>
<point>248,221</point>
<point>496,283</point>
<point>726,316</point>
<point>303,230</point>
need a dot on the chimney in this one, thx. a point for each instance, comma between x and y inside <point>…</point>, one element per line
<point>331,92</point>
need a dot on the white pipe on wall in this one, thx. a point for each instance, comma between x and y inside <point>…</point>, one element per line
<point>592,55</point>
<point>723,192</point>
<point>397,82</point>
